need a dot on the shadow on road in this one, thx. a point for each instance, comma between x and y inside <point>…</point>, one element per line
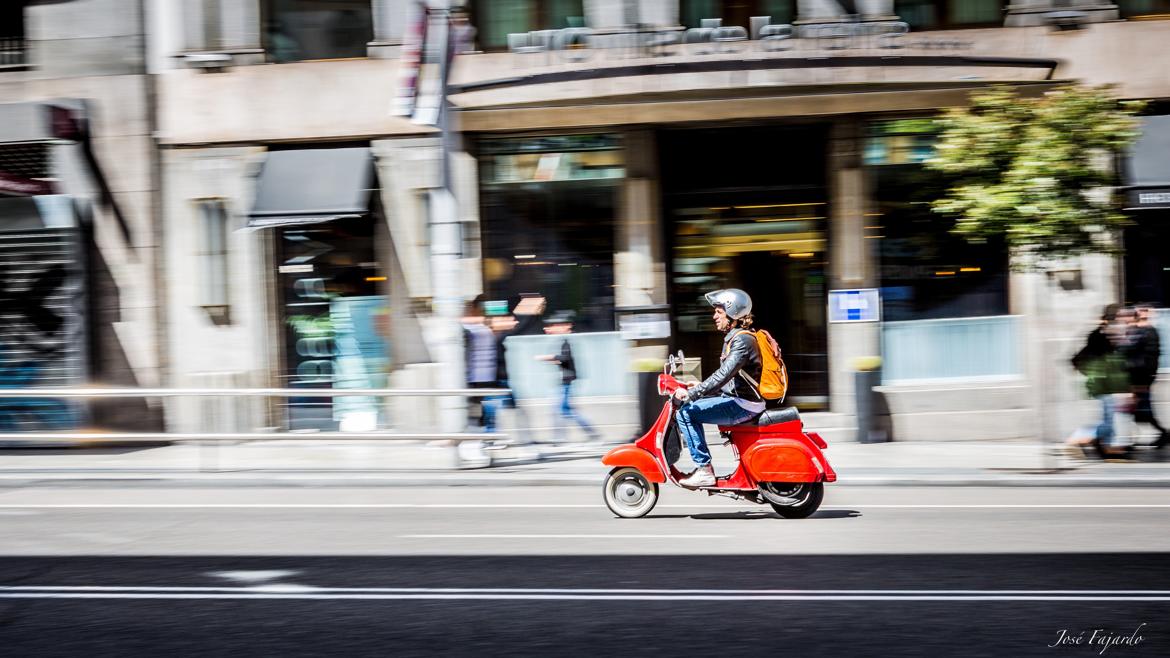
<point>751,515</point>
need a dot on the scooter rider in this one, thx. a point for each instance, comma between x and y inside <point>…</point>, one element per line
<point>723,398</point>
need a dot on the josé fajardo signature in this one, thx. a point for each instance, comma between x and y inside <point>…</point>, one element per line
<point>1098,637</point>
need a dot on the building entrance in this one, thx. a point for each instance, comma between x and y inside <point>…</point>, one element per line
<point>747,208</point>
<point>333,320</point>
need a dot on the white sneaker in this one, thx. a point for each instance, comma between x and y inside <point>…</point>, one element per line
<point>704,476</point>
<point>470,454</point>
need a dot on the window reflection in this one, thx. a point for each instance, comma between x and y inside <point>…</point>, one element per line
<point>547,222</point>
<point>926,271</point>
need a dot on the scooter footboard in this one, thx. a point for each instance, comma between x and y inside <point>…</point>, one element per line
<point>783,460</point>
<point>633,456</point>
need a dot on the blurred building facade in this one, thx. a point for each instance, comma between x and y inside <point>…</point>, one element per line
<point>773,146</point>
<point>78,189</point>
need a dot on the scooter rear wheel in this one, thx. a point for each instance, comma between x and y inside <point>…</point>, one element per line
<point>628,493</point>
<point>806,498</point>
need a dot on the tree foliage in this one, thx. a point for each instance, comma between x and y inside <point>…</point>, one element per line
<point>1036,170</point>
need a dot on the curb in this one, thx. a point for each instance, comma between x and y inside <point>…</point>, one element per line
<point>88,444</point>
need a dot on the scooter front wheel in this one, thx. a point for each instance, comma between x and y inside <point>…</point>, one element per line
<point>628,493</point>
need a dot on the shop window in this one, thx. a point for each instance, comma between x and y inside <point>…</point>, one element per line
<point>213,259</point>
<point>949,14</point>
<point>1144,8</point>
<point>926,270</point>
<point>736,12</point>
<point>496,19</point>
<point>13,47</point>
<point>299,30</point>
<point>548,222</point>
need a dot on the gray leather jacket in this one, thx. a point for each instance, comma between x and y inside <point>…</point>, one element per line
<point>740,352</point>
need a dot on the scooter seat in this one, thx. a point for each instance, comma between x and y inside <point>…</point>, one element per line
<point>777,416</point>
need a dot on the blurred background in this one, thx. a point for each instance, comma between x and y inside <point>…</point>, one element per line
<point>352,204</point>
<point>243,194</point>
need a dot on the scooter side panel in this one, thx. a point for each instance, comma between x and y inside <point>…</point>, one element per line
<point>782,460</point>
<point>631,455</point>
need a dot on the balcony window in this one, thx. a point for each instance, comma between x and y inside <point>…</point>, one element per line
<point>496,19</point>
<point>737,12</point>
<point>300,30</point>
<point>949,14</point>
<point>13,48</point>
<point>1144,8</point>
<point>213,258</point>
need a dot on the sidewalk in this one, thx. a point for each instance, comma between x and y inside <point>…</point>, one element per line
<point>320,463</point>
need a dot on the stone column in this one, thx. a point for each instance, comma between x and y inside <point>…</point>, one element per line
<point>390,20</point>
<point>852,263</point>
<point>603,14</point>
<point>640,270</point>
<point>242,31</point>
<point>831,10</point>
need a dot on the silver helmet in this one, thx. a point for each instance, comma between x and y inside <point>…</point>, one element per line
<point>733,301</point>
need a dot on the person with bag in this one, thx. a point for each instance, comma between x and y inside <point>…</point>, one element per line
<point>561,324</point>
<point>1106,376</point>
<point>732,394</point>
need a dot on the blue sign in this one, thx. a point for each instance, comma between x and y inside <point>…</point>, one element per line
<point>855,305</point>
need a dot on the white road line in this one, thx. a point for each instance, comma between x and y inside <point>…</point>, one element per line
<point>267,589</point>
<point>551,536</point>
<point>729,506</point>
<point>573,597</point>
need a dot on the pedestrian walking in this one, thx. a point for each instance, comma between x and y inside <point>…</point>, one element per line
<point>561,324</point>
<point>504,327</point>
<point>1143,350</point>
<point>1103,366</point>
<point>479,347</point>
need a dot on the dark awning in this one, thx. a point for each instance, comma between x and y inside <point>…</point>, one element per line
<point>312,185</point>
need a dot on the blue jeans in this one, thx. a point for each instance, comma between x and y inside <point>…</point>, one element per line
<point>568,413</point>
<point>721,410</point>
<point>1105,428</point>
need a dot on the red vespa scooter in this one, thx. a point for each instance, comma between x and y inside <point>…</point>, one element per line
<point>778,463</point>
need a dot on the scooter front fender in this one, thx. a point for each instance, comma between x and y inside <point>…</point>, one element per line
<point>782,460</point>
<point>635,457</point>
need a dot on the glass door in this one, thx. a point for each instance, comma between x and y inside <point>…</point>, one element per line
<point>333,318</point>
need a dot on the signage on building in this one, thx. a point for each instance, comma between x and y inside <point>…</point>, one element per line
<point>1156,198</point>
<point>863,305</point>
<point>580,44</point>
<point>643,326</point>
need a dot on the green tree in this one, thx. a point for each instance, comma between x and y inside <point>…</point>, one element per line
<point>1036,170</point>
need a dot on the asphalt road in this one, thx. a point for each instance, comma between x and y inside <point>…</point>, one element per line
<point>548,571</point>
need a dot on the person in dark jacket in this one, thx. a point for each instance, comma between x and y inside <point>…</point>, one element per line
<point>726,397</point>
<point>1101,363</point>
<point>561,324</point>
<point>1142,353</point>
